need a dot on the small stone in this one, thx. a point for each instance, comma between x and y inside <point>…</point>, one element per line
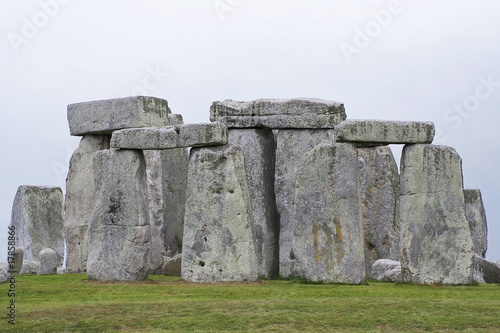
<point>61,270</point>
<point>387,270</point>
<point>485,271</point>
<point>475,214</point>
<point>30,267</point>
<point>4,272</point>
<point>171,266</point>
<point>48,262</point>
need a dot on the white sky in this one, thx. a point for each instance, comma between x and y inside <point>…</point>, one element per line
<point>425,62</point>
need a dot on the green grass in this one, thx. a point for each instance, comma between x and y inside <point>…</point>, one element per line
<point>70,303</point>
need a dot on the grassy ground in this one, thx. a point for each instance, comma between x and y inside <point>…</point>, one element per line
<point>70,303</point>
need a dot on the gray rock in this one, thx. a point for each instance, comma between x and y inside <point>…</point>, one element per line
<point>171,266</point>
<point>30,267</point>
<point>4,272</point>
<point>119,234</point>
<point>291,146</point>
<point>379,180</point>
<point>275,113</point>
<point>380,132</point>
<point>436,241</point>
<point>219,240</point>
<point>258,148</point>
<point>386,270</point>
<point>106,116</point>
<point>475,214</point>
<point>181,136</point>
<point>485,271</point>
<point>328,231</point>
<point>496,262</point>
<point>61,270</point>
<point>37,218</point>
<point>80,197</point>
<point>15,259</point>
<point>48,262</point>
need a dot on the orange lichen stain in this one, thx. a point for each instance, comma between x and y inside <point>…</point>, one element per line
<point>339,228</point>
<point>331,252</point>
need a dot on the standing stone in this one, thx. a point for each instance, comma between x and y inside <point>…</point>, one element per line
<point>48,262</point>
<point>485,271</point>
<point>328,230</point>
<point>258,148</point>
<point>119,234</point>
<point>379,179</point>
<point>291,146</point>
<point>16,261</point>
<point>219,238</point>
<point>80,198</point>
<point>475,214</point>
<point>37,218</point>
<point>436,241</point>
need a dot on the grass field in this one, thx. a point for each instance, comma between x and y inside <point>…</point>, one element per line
<point>70,303</point>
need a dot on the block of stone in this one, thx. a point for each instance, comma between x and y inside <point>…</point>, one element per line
<point>383,132</point>
<point>48,262</point>
<point>379,181</point>
<point>38,221</point>
<point>61,270</point>
<point>328,232</point>
<point>171,266</point>
<point>219,243</point>
<point>485,271</point>
<point>15,260</point>
<point>106,116</point>
<point>278,113</point>
<point>4,272</point>
<point>436,240</point>
<point>119,233</point>
<point>181,136</point>
<point>80,198</point>
<point>30,267</point>
<point>291,145</point>
<point>475,214</point>
<point>258,148</point>
<point>386,270</point>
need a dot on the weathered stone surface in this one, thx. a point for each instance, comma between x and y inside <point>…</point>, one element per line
<point>379,181</point>
<point>475,214</point>
<point>61,270</point>
<point>380,132</point>
<point>30,267</point>
<point>119,234</point>
<point>291,146</point>
<point>258,148</point>
<point>171,266</point>
<point>328,230</point>
<point>80,197</point>
<point>48,262</point>
<point>219,240</point>
<point>37,218</point>
<point>15,259</point>
<point>275,113</point>
<point>4,272</point>
<point>106,116</point>
<point>181,136</point>
<point>387,270</point>
<point>436,240</point>
<point>485,271</point>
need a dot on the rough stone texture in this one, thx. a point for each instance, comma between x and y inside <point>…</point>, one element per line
<point>387,270</point>
<point>171,266</point>
<point>275,113</point>
<point>4,272</point>
<point>61,270</point>
<point>119,234</point>
<point>106,116</point>
<point>15,260</point>
<point>475,214</point>
<point>181,136</point>
<point>219,228</point>
<point>379,132</point>
<point>496,262</point>
<point>291,146</point>
<point>258,148</point>
<point>48,262</point>
<point>30,267</point>
<point>80,197</point>
<point>37,217</point>
<point>379,180</point>
<point>328,230</point>
<point>485,271</point>
<point>436,241</point>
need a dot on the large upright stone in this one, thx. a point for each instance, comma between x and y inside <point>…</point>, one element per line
<point>119,234</point>
<point>327,223</point>
<point>258,148</point>
<point>80,198</point>
<point>379,179</point>
<point>436,241</point>
<point>309,113</point>
<point>291,145</point>
<point>475,214</point>
<point>48,262</point>
<point>38,221</point>
<point>219,243</point>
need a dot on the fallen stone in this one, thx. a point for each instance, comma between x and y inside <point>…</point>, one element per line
<point>436,241</point>
<point>119,234</point>
<point>61,270</point>
<point>171,266</point>
<point>291,146</point>
<point>258,148</point>
<point>475,214</point>
<point>182,136</point>
<point>275,113</point>
<point>37,218</point>
<point>4,272</point>
<point>386,270</point>
<point>383,132</point>
<point>30,267</point>
<point>48,262</point>
<point>80,198</point>
<point>485,271</point>
<point>219,243</point>
<point>379,181</point>
<point>328,231</point>
<point>106,116</point>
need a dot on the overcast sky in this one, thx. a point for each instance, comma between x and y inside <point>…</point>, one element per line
<point>402,60</point>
